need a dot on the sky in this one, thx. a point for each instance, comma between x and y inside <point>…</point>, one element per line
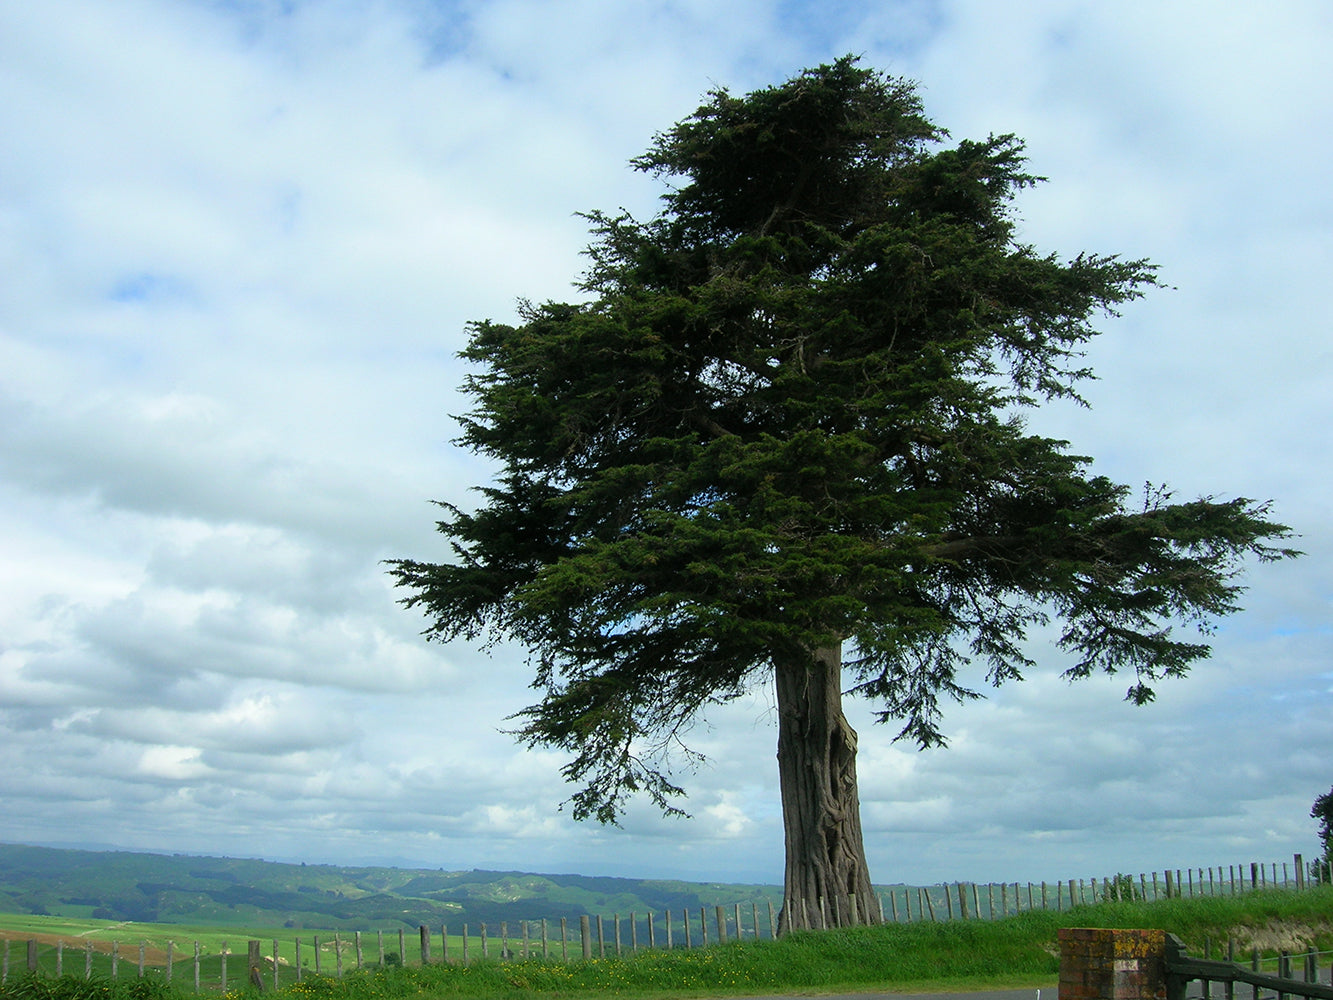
<point>240,241</point>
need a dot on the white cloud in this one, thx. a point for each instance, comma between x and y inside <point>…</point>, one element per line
<point>172,762</point>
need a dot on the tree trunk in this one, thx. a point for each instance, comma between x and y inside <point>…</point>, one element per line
<point>827,882</point>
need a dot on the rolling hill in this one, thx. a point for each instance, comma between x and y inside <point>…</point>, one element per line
<point>185,889</point>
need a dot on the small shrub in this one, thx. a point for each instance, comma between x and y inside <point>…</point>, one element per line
<point>1122,889</point>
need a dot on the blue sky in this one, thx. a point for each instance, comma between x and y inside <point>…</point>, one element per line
<point>241,242</point>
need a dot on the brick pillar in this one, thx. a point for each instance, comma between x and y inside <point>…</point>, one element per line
<point>1104,964</point>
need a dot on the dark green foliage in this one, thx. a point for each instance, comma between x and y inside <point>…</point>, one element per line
<point>1122,889</point>
<point>36,987</point>
<point>789,418</point>
<point>1322,810</point>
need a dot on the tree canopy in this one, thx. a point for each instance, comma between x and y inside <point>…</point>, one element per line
<point>783,433</point>
<point>1322,810</point>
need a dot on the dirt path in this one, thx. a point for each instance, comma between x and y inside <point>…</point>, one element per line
<point>129,951</point>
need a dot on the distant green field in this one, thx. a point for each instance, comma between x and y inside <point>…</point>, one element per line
<point>64,946</point>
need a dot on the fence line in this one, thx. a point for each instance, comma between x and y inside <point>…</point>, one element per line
<point>543,939</point>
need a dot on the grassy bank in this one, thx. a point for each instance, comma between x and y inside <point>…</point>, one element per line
<point>1017,952</point>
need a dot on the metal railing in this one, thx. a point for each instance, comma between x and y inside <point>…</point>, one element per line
<point>1182,968</point>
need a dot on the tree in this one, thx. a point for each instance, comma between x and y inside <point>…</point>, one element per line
<point>1322,810</point>
<point>782,437</point>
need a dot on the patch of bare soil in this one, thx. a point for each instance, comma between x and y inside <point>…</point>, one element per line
<point>1279,935</point>
<point>74,946</point>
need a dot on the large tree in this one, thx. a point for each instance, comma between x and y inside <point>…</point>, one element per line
<point>781,438</point>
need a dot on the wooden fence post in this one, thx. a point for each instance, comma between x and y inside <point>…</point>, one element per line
<point>585,933</point>
<point>32,955</point>
<point>254,958</point>
<point>721,925</point>
<point>424,933</point>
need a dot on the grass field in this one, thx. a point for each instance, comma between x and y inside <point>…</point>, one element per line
<point>1015,952</point>
<point>64,943</point>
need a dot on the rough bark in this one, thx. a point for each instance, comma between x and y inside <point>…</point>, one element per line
<point>827,882</point>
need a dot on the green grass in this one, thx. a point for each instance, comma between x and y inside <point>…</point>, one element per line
<point>1016,952</point>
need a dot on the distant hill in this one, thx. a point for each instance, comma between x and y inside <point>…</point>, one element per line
<point>183,889</point>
